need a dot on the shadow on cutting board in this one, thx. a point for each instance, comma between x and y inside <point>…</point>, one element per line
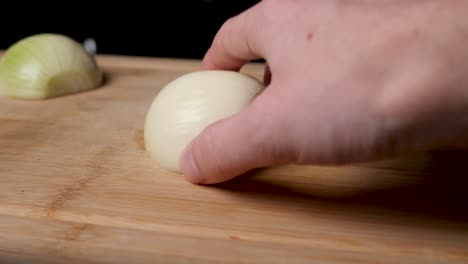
<point>423,187</point>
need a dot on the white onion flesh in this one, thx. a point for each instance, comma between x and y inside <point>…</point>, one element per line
<point>189,104</point>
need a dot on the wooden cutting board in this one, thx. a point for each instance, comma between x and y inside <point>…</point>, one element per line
<point>76,186</point>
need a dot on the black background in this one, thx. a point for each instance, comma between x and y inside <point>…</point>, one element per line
<point>181,29</point>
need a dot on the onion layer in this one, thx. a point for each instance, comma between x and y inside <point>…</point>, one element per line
<point>47,65</point>
<point>189,104</point>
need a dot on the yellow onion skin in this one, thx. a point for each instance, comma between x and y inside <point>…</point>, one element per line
<point>47,65</point>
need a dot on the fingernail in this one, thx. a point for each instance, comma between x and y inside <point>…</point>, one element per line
<point>190,168</point>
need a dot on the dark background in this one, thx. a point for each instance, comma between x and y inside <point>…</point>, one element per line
<point>181,29</point>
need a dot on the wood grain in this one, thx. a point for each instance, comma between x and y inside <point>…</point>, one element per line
<point>76,186</point>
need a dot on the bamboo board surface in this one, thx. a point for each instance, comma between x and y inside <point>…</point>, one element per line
<point>76,186</point>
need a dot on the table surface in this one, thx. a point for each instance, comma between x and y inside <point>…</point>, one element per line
<point>76,186</point>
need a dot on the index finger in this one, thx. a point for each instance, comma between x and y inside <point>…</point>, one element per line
<point>235,43</point>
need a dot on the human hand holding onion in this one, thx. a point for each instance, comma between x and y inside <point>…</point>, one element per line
<point>351,82</point>
<point>348,81</point>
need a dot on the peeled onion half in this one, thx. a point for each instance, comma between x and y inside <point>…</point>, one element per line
<point>189,104</point>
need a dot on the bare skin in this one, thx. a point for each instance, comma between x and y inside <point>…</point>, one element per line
<point>351,81</point>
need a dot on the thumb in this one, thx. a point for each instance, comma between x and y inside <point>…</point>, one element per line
<point>236,145</point>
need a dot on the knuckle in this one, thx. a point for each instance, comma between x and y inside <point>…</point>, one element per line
<point>228,26</point>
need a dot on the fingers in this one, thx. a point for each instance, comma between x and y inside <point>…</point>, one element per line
<point>251,139</point>
<point>235,43</point>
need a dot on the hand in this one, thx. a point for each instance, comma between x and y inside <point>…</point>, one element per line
<point>351,81</point>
